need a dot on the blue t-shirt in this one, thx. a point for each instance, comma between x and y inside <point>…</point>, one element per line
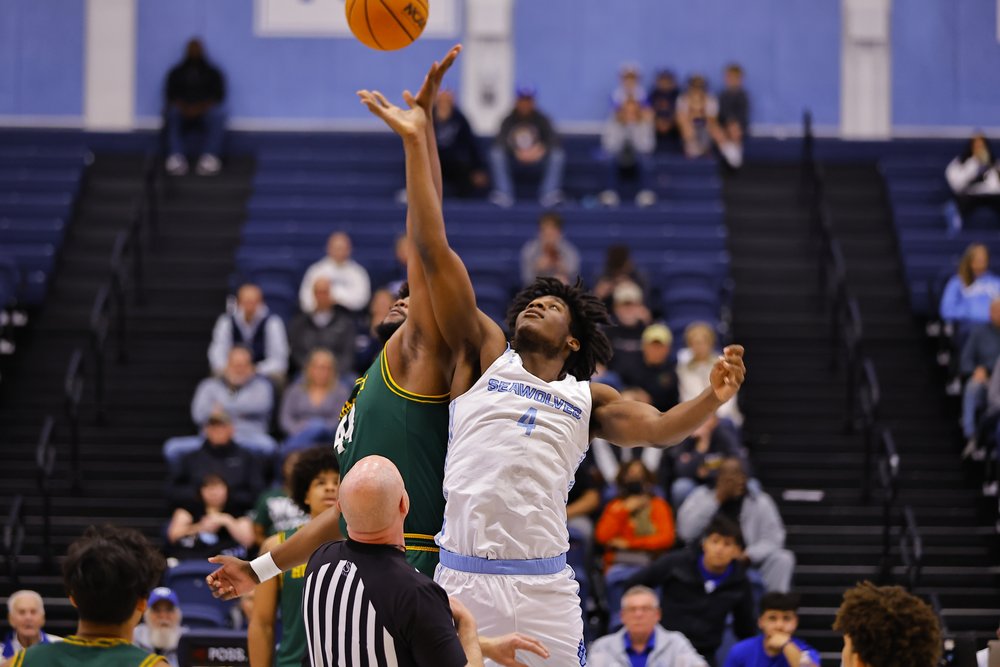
<point>639,658</point>
<point>751,653</point>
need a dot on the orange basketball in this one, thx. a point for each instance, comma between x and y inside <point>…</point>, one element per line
<point>387,25</point>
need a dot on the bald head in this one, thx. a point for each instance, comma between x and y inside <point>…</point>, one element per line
<point>373,499</point>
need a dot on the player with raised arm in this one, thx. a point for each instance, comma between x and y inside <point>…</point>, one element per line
<point>522,417</point>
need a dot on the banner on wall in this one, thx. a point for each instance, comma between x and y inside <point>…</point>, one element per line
<point>325,18</point>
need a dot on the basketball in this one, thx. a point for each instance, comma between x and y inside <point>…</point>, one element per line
<point>387,25</point>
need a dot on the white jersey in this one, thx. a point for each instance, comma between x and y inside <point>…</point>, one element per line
<point>515,442</point>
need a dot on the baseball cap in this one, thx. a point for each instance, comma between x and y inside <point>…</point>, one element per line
<point>657,333</point>
<point>163,593</point>
<point>627,293</point>
<point>525,90</point>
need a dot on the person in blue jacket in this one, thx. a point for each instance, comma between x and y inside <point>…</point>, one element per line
<point>776,646</point>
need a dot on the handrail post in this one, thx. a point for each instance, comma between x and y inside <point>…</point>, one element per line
<point>45,458</point>
<point>73,391</point>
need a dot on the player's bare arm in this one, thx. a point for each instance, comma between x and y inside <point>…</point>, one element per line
<point>635,424</point>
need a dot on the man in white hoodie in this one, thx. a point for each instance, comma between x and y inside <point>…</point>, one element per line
<point>350,286</point>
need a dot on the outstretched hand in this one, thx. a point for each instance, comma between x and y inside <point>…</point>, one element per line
<point>728,373</point>
<point>234,578</point>
<point>503,650</point>
<point>404,122</point>
<point>432,82</point>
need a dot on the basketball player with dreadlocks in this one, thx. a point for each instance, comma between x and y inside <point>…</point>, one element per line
<point>522,417</point>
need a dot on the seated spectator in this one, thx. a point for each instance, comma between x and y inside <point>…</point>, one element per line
<point>968,294</point>
<point>694,367</point>
<point>974,178</point>
<point>983,656</point>
<point>657,374</point>
<point>702,585</point>
<point>629,140</point>
<point>161,629</point>
<point>629,319</point>
<point>315,482</point>
<point>256,328</point>
<point>26,616</point>
<point>629,86</point>
<point>275,511</point>
<point>584,498</point>
<point>549,255</point>
<point>324,327</point>
<point>610,459</point>
<point>776,645</point>
<point>663,100</point>
<point>642,641</point>
<point>462,165</point>
<point>196,90</point>
<point>758,517</point>
<point>218,455</point>
<point>697,459</point>
<point>369,343</point>
<point>310,410</point>
<point>619,268</point>
<point>206,526</point>
<point>350,286</point>
<point>527,140</point>
<point>697,118</point>
<point>734,116</point>
<point>979,356</point>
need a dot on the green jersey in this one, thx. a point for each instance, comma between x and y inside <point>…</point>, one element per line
<point>76,652</point>
<point>411,430</point>
<point>293,632</point>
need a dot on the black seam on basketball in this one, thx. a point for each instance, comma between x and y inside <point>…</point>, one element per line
<point>350,9</point>
<point>370,31</point>
<point>423,6</point>
<point>396,19</point>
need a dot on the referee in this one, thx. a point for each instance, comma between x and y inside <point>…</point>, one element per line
<point>365,605</point>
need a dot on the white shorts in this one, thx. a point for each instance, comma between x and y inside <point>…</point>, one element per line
<point>544,606</point>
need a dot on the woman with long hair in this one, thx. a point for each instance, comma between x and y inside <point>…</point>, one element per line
<point>311,407</point>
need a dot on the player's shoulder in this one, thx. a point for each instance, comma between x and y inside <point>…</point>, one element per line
<point>603,394</point>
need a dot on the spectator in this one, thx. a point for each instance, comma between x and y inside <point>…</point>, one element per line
<point>324,327</point>
<point>629,319</point>
<point>218,455</point>
<point>734,116</point>
<point>161,629</point>
<point>974,177</point>
<point>584,499</point>
<point>968,294</point>
<point>462,165</point>
<point>369,343</point>
<point>983,656</point>
<point>636,525</point>
<point>310,410</point>
<point>195,92</point>
<point>549,255</point>
<point>619,268</point>
<point>528,140</point>
<point>350,287</point>
<point>642,641</point>
<point>701,587</point>
<point>256,328</point>
<point>979,356</point>
<point>629,140</point>
<point>26,616</point>
<point>694,366</point>
<point>776,646</point>
<point>206,526</point>
<point>663,101</point>
<point>758,517</point>
<point>887,627</point>
<point>697,117</point>
<point>610,459</point>
<point>697,459</point>
<point>275,511</point>
<point>657,374</point>
<point>629,86</point>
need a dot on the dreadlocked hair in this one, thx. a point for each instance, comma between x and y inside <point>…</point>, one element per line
<point>587,315</point>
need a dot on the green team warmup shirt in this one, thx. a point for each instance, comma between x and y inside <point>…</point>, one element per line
<point>411,430</point>
<point>76,652</point>
<point>293,632</point>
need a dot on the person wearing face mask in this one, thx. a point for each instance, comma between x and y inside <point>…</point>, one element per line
<point>161,629</point>
<point>775,646</point>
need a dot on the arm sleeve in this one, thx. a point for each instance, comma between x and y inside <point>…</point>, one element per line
<point>612,523</point>
<point>695,514</point>
<point>430,630</point>
<point>256,401</point>
<point>307,302</point>
<point>275,348</point>
<point>356,293</point>
<point>960,174</point>
<point>652,575</point>
<point>952,303</point>
<point>771,527</point>
<point>547,132</point>
<point>611,137</point>
<point>203,402</point>
<point>222,343</point>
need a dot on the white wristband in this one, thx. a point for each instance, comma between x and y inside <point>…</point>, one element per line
<point>264,567</point>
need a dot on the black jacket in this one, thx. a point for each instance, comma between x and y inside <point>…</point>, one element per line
<point>689,609</point>
<point>195,80</point>
<point>243,471</point>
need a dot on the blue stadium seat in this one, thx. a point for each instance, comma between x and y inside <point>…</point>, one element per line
<point>201,617</point>
<point>187,580</point>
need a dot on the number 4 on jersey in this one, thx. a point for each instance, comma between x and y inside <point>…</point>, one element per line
<point>527,421</point>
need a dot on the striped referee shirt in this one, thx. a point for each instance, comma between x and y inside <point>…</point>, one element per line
<point>364,605</point>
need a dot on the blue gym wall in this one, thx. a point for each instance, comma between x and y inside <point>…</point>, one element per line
<point>946,58</point>
<point>41,57</point>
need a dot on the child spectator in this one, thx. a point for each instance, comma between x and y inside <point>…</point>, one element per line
<point>311,407</point>
<point>206,526</point>
<point>776,646</point>
<point>974,178</point>
<point>628,141</point>
<point>462,165</point>
<point>549,255</point>
<point>734,116</point>
<point>663,102</point>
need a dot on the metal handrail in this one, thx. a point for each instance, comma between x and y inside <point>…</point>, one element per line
<point>45,461</point>
<point>73,394</point>
<point>13,539</point>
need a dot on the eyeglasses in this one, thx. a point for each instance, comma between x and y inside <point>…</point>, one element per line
<point>641,608</point>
